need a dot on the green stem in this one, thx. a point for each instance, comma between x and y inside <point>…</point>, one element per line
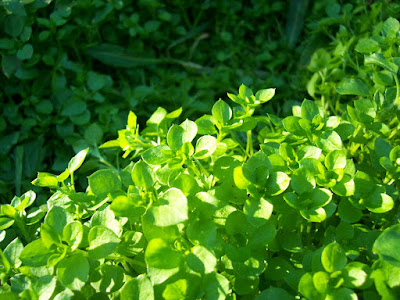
<point>249,146</point>
<point>397,100</point>
<point>200,165</point>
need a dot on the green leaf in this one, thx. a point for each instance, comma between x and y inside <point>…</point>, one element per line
<point>205,125</point>
<point>292,125</point>
<point>308,289</point>
<point>380,60</point>
<point>6,223</point>
<point>73,234</point>
<point>139,288</point>
<point>277,183</point>
<point>190,131</point>
<point>170,209</point>
<point>335,160</point>
<point>221,112</point>
<point>257,211</point>
<point>25,52</point>
<point>159,254</point>
<point>309,110</point>
<point>129,206</point>
<point>49,235</point>
<point>245,92</point>
<point>13,251</point>
<point>205,146</point>
<point>176,137</point>
<point>333,257</point>
<point>274,293</point>
<point>352,86</point>
<point>329,141</point>
<point>35,254</point>
<point>341,293</point>
<point>156,155</point>
<point>201,260</point>
<point>345,187</point>
<point>104,182</point>
<point>314,214</point>
<point>73,271</point>
<point>257,168</point>
<point>387,245</point>
<point>102,242</point>
<point>57,218</point>
<point>378,201</point>
<point>73,108</point>
<point>215,286</point>
<point>302,181</point>
<point>44,179</point>
<point>143,175</point>
<point>14,24</point>
<point>202,232</point>
<point>45,286</point>
<point>367,45</point>
<point>357,275</point>
<point>265,95</point>
<point>77,160</point>
<point>93,134</point>
<point>111,278</point>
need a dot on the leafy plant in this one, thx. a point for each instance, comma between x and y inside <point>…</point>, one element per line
<point>230,205</point>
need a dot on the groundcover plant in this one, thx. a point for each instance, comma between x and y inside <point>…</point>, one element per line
<point>229,206</point>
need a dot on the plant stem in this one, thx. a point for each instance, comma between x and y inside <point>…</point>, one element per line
<point>249,146</point>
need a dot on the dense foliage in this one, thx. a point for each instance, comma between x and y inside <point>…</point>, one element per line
<point>253,200</point>
<point>72,70</point>
<point>311,210</point>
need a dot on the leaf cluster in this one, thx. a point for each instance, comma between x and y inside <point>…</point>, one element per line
<point>230,205</point>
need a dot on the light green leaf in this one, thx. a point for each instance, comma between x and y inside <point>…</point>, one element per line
<point>257,211</point>
<point>143,175</point>
<point>277,183</point>
<point>329,141</point>
<point>335,160</point>
<point>170,209</point>
<point>352,86</point>
<point>156,155</point>
<point>73,271</point>
<point>257,168</point>
<point>45,179</point>
<point>104,182</point>
<point>221,112</point>
<point>265,95</point>
<point>333,257</point>
<point>45,287</point>
<point>77,160</point>
<point>176,137</point>
<point>159,254</point>
<point>73,234</point>
<point>139,288</point>
<point>35,254</point>
<point>13,251</point>
<point>309,110</point>
<point>367,45</point>
<point>387,245</point>
<point>205,146</point>
<point>380,60</point>
<point>190,131</point>
<point>102,242</point>
<point>201,260</point>
<point>216,286</point>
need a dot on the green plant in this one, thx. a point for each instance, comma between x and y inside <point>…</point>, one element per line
<point>71,71</point>
<point>231,205</point>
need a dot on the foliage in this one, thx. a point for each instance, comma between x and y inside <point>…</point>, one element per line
<point>231,205</point>
<point>72,70</point>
